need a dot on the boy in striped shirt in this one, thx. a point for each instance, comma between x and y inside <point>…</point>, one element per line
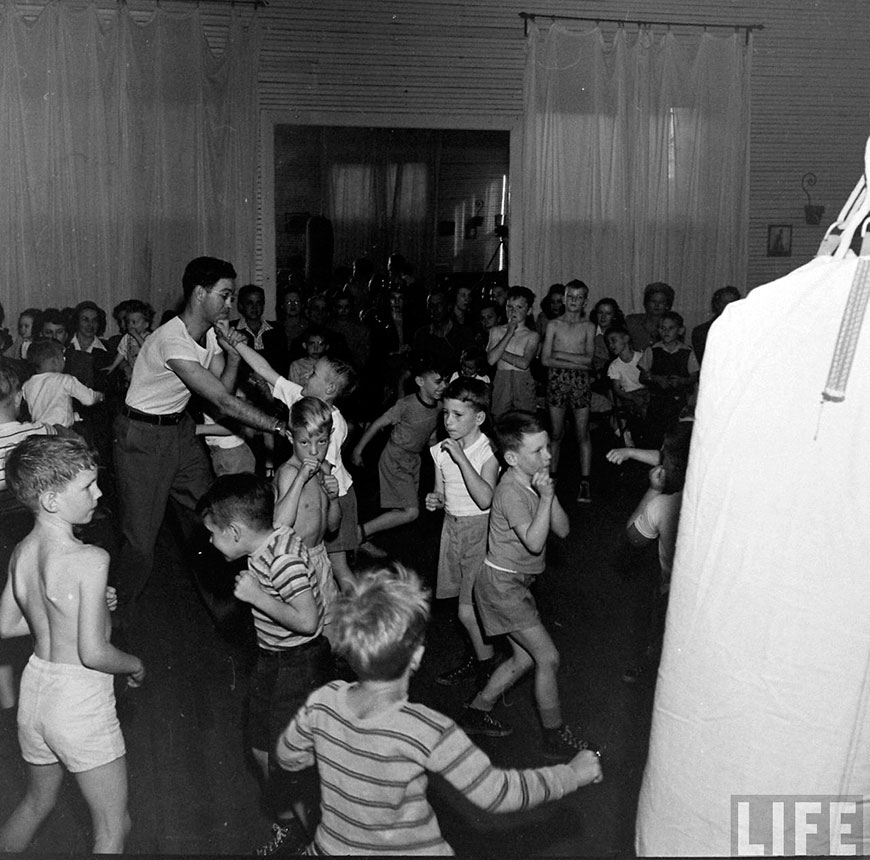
<point>373,748</point>
<point>294,658</point>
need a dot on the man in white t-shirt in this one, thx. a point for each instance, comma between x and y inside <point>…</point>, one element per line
<point>157,455</point>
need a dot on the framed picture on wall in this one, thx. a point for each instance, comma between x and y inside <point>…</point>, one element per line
<point>779,240</point>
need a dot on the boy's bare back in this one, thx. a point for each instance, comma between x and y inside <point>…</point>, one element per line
<point>59,583</point>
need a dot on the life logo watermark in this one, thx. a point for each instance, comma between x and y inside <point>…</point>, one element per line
<point>771,825</point>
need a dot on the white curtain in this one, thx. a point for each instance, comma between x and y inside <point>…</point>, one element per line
<point>635,163</point>
<point>127,147</point>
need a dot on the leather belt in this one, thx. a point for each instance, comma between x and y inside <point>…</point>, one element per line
<point>148,418</point>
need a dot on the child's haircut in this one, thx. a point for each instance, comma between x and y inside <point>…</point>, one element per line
<point>617,329</point>
<point>54,316</point>
<point>673,316</point>
<point>380,620</point>
<point>519,292</point>
<point>513,426</point>
<point>475,354</point>
<point>675,455</point>
<point>39,464</point>
<point>577,284</point>
<point>120,310</point>
<point>10,384</point>
<point>311,414</point>
<point>250,290</point>
<point>134,306</point>
<point>42,350</point>
<point>344,375</point>
<point>469,390</point>
<point>427,362</point>
<point>244,497</point>
<point>35,315</point>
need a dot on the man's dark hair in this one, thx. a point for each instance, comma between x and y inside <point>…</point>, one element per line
<point>205,272</point>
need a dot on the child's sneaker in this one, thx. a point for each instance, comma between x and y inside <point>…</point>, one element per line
<point>562,743</point>
<point>287,839</point>
<point>473,721</point>
<point>463,672</point>
<point>585,494</point>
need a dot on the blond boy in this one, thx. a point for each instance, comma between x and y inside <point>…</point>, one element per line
<point>569,344</point>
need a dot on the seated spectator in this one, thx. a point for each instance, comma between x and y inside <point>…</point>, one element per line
<point>315,345</point>
<point>262,336</point>
<point>441,338</point>
<point>345,322</point>
<point>54,326</point>
<point>658,297</point>
<point>721,299</point>
<point>488,318</point>
<point>29,323</point>
<point>670,370</point>
<point>473,363</point>
<point>552,307</point>
<point>630,394</point>
<point>605,314</point>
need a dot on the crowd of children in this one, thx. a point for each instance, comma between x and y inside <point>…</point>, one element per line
<point>490,390</point>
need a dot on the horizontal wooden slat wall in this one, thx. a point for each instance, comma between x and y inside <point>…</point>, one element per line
<point>443,63</point>
<point>421,59</point>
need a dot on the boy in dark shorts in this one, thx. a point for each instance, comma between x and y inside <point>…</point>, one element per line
<point>524,512</point>
<point>294,657</point>
<point>414,419</point>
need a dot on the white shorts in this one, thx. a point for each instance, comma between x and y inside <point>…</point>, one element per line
<point>67,713</point>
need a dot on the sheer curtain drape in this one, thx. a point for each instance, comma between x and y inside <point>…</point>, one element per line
<point>126,149</point>
<point>378,196</point>
<point>635,165</point>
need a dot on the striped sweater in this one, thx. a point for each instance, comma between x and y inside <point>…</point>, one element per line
<point>373,774</point>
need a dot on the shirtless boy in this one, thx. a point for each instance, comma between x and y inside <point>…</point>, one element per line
<point>307,493</point>
<point>569,343</point>
<point>57,593</point>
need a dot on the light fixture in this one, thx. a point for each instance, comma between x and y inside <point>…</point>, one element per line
<point>813,213</point>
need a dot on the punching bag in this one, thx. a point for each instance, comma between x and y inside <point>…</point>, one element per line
<point>760,738</point>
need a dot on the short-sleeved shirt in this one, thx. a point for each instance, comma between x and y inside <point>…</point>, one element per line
<point>413,422</point>
<point>659,519</point>
<point>626,373</point>
<point>516,345</point>
<point>288,393</point>
<point>513,504</point>
<point>284,570</point>
<point>154,386</point>
<point>457,499</point>
<point>50,396</point>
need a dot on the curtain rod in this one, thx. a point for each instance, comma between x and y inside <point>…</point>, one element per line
<point>531,16</point>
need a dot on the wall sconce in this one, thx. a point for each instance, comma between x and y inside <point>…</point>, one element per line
<point>813,213</point>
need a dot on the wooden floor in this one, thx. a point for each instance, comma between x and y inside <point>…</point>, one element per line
<point>191,788</point>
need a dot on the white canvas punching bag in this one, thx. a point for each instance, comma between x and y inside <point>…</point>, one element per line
<point>764,685</point>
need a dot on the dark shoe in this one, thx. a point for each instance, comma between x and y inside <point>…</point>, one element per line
<point>288,839</point>
<point>585,494</point>
<point>562,743</point>
<point>476,722</point>
<point>463,672</point>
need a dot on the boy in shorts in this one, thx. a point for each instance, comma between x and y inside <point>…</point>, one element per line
<point>524,511</point>
<point>330,380</point>
<point>307,494</point>
<point>511,348</point>
<point>293,657</point>
<point>466,470</point>
<point>374,749</point>
<point>57,593</point>
<point>414,419</point>
<point>569,344</point>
